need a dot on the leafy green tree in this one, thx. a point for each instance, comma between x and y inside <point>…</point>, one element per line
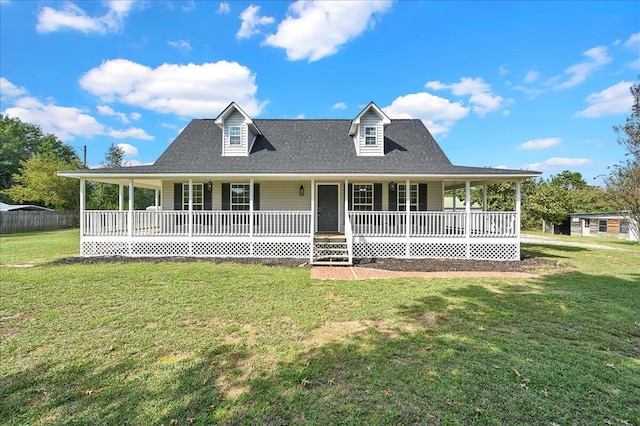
<point>18,142</point>
<point>623,182</point>
<point>38,183</point>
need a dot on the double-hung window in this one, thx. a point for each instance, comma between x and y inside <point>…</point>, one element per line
<point>602,225</point>
<point>235,134</point>
<point>198,201</point>
<point>370,135</point>
<point>402,197</point>
<point>240,196</point>
<point>363,197</point>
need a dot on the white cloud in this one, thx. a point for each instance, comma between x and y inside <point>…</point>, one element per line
<point>186,90</point>
<point>71,16</point>
<point>315,29</point>
<point>251,22</point>
<point>224,8</point>
<point>437,113</point>
<point>132,132</point>
<point>613,100</point>
<point>541,143</point>
<point>107,110</point>
<point>339,105</point>
<point>180,44</point>
<point>558,163</point>
<point>531,76</point>
<point>597,57</point>
<point>128,150</point>
<point>503,70</point>
<point>188,6</point>
<point>131,163</point>
<point>10,90</point>
<point>482,97</point>
<point>633,42</point>
<point>135,116</point>
<point>64,122</point>
<point>532,93</point>
<point>300,116</point>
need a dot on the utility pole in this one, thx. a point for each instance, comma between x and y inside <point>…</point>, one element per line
<point>85,156</point>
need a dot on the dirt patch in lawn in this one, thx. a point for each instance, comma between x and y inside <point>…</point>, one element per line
<point>527,264</point>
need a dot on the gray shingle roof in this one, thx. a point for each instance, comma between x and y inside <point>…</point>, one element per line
<point>307,147</point>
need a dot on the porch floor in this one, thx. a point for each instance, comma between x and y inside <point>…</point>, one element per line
<point>354,273</point>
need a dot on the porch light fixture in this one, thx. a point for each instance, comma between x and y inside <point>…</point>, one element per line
<point>209,186</point>
<point>302,190</point>
<point>392,186</point>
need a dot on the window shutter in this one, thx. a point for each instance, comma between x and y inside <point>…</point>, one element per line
<point>422,197</point>
<point>177,196</point>
<point>208,202</point>
<point>393,199</point>
<point>226,196</point>
<point>350,195</point>
<point>256,196</point>
<point>377,197</point>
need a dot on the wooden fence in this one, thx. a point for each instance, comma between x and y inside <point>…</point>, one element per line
<point>28,220</point>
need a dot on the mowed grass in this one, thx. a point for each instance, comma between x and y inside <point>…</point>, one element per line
<point>204,343</point>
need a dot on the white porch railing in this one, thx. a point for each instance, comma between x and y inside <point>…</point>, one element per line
<point>298,223</point>
<point>205,223</point>
<point>105,223</point>
<point>494,224</point>
<point>433,224</point>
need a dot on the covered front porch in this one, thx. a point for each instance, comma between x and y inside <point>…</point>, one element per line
<point>370,229</point>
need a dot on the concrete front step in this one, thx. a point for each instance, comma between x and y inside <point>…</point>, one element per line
<point>330,263</point>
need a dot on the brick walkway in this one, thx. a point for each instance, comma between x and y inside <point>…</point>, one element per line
<point>354,273</point>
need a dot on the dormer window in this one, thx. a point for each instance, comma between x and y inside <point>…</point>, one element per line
<point>239,132</point>
<point>368,131</point>
<point>370,135</point>
<point>235,135</point>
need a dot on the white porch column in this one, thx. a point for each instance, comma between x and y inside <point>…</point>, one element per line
<point>467,209</point>
<point>190,207</point>
<point>130,214</point>
<point>251,231</point>
<point>407,210</point>
<point>130,217</point>
<point>312,223</point>
<point>484,198</point>
<point>454,199</point>
<point>121,197</point>
<point>518,208</point>
<point>82,208</point>
<point>346,203</point>
<point>156,199</point>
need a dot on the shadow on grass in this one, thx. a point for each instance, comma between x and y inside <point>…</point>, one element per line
<point>557,350</point>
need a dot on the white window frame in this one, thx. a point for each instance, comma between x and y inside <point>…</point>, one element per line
<point>198,196</point>
<point>402,205</point>
<point>357,202</point>
<point>235,139</point>
<point>241,202</point>
<point>370,139</point>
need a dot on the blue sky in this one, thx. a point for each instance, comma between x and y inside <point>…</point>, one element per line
<point>534,85</point>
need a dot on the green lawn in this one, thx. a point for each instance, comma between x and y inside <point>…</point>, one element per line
<point>204,343</point>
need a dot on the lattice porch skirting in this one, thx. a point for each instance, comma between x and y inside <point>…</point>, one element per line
<point>437,248</point>
<point>289,247</point>
<point>300,247</point>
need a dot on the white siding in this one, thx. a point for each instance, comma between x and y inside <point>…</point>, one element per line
<point>235,119</point>
<point>367,120</point>
<point>284,196</point>
<point>435,196</point>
